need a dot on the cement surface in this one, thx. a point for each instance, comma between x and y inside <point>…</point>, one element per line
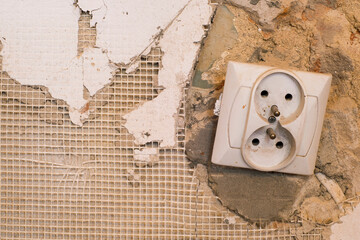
<point>256,195</point>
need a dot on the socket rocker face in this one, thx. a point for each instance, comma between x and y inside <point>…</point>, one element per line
<point>270,119</point>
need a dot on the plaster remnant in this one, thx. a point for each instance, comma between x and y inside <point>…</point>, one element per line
<point>146,156</point>
<point>48,63</point>
<point>318,210</point>
<point>332,187</point>
<point>37,51</point>
<point>90,5</point>
<point>156,120</point>
<point>218,106</point>
<point>181,25</point>
<point>97,70</point>
<point>348,228</point>
<point>125,28</point>
<point>76,116</point>
<point>230,220</point>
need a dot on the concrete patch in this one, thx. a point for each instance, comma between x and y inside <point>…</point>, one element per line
<point>256,195</point>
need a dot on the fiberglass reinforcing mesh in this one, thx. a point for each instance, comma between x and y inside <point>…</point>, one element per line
<point>61,181</point>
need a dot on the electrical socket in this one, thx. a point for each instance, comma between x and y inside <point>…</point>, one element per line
<point>270,118</point>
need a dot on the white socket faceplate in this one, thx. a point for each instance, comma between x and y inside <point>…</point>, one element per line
<point>249,93</point>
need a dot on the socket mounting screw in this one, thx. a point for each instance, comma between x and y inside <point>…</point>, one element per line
<point>275,110</point>
<point>271,119</point>
<point>271,133</point>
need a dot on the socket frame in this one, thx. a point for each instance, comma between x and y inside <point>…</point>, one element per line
<point>238,119</point>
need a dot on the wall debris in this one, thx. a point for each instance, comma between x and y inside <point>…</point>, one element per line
<point>146,157</point>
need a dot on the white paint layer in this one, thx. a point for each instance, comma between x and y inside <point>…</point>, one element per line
<point>349,229</point>
<point>148,156</point>
<point>97,70</point>
<point>125,28</point>
<point>156,120</point>
<point>37,50</point>
<point>40,41</point>
<point>90,5</point>
<point>143,155</point>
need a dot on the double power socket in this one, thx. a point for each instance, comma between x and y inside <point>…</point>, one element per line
<point>271,119</point>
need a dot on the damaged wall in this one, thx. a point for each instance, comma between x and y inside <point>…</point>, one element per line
<point>68,72</point>
<point>309,35</point>
<point>92,118</point>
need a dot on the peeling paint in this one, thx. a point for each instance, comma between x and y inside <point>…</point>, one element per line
<point>90,5</point>
<point>23,26</point>
<point>156,120</point>
<point>37,51</point>
<point>146,156</point>
<point>55,64</point>
<point>181,23</point>
<point>97,70</point>
<point>127,27</point>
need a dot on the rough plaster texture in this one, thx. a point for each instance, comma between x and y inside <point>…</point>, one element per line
<point>319,36</point>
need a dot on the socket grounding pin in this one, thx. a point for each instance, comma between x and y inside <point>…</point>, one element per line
<point>275,110</point>
<point>271,133</point>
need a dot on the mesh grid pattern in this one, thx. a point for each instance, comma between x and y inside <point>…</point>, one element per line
<point>60,181</point>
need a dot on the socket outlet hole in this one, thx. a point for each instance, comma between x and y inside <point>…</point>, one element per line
<point>264,93</point>
<point>288,97</point>
<point>284,91</point>
<point>255,142</point>
<point>267,156</point>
